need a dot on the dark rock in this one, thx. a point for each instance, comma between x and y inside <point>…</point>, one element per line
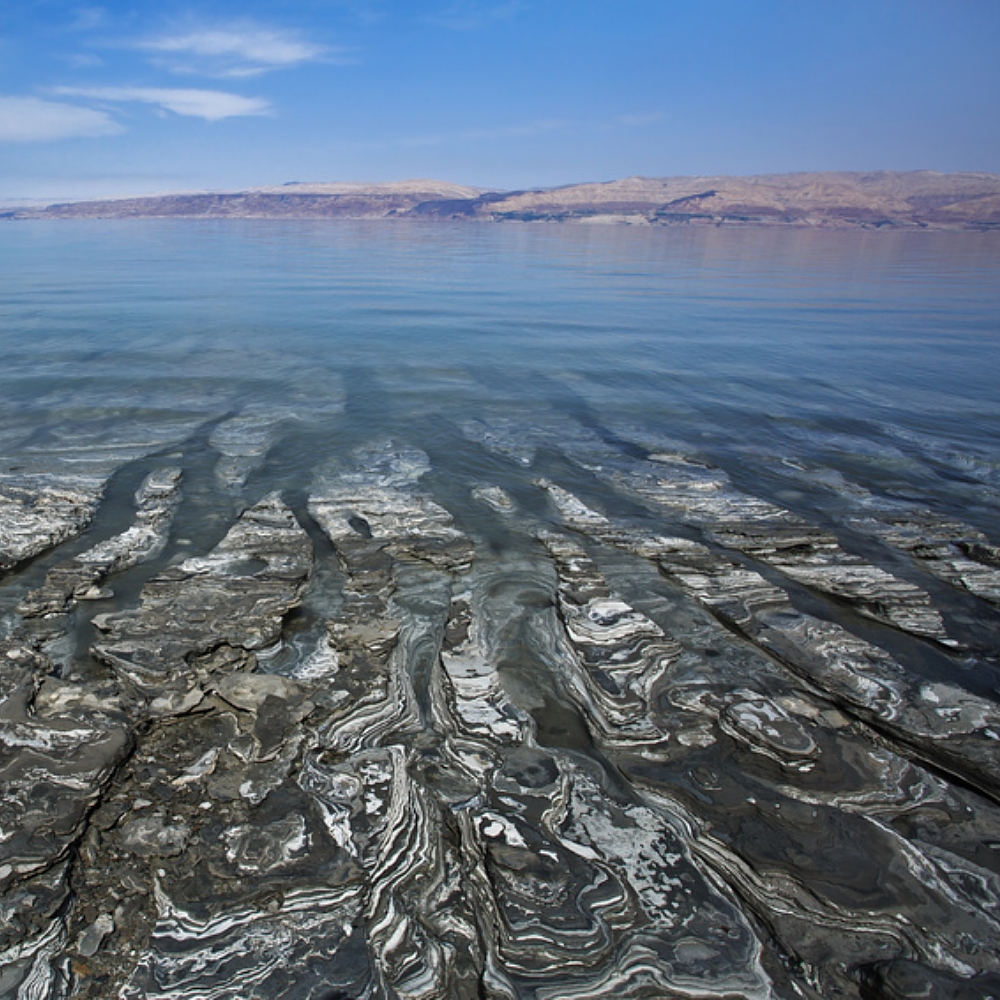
<point>234,598</point>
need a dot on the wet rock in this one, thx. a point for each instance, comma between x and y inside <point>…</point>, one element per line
<point>53,768</point>
<point>622,656</point>
<point>153,836</point>
<point>941,722</point>
<point>91,939</point>
<point>252,692</point>
<point>379,511</point>
<point>954,552</point>
<point>495,497</point>
<point>32,968</point>
<point>766,728</point>
<point>901,979</point>
<point>216,871</point>
<point>354,800</point>
<point>35,518</point>
<point>945,547</point>
<point>380,524</point>
<point>81,577</point>
<point>779,538</point>
<point>609,895</point>
<point>58,754</point>
<point>64,466</point>
<point>218,607</point>
<point>20,665</point>
<point>244,441</point>
<point>478,702</point>
<point>29,909</point>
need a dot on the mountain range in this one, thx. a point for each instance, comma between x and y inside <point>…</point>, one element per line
<point>924,199</point>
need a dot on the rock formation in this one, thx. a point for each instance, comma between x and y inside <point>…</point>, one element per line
<point>568,736</point>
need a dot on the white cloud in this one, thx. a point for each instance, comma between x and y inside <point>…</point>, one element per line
<point>234,51</point>
<point>31,119</point>
<point>212,105</point>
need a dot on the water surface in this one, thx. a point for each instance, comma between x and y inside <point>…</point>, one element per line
<point>838,385</point>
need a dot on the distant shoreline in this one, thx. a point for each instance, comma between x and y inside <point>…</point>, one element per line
<point>876,200</point>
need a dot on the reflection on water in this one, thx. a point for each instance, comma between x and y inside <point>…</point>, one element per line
<point>654,597</point>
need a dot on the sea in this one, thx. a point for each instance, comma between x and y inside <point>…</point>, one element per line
<point>872,356</point>
<point>737,339</point>
<point>839,375</point>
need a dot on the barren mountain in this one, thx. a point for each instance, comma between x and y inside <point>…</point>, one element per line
<point>878,199</point>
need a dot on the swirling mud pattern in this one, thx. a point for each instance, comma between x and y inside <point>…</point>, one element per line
<point>450,648</point>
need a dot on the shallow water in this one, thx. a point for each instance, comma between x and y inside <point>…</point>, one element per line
<point>838,383</point>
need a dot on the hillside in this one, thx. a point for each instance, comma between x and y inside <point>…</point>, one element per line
<point>830,200</point>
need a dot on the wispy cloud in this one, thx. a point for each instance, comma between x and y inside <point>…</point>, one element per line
<point>238,50</point>
<point>212,105</point>
<point>469,15</point>
<point>32,119</point>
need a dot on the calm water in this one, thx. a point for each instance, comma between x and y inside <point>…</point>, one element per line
<point>876,353</point>
<point>850,378</point>
<point>808,366</point>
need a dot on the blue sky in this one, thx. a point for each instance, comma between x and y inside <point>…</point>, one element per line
<point>120,98</point>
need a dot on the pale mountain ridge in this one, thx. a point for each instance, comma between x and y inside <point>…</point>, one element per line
<point>876,199</point>
<point>890,194</point>
<point>428,188</point>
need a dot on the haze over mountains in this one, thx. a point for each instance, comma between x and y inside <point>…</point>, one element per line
<point>829,200</point>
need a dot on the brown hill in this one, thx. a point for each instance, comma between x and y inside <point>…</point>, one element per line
<point>879,199</point>
<point>813,199</point>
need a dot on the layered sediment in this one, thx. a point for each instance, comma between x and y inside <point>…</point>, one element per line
<point>601,723</point>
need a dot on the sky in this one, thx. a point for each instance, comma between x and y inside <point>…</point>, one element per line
<point>122,98</point>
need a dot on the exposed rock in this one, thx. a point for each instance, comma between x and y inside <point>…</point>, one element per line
<point>57,758</point>
<point>495,497</point>
<point>82,576</point>
<point>616,762</point>
<point>941,722</point>
<point>955,552</point>
<point>33,519</point>
<point>782,539</point>
<point>53,769</point>
<point>900,979</point>
<point>477,701</point>
<point>211,612</point>
<point>622,654</point>
<point>949,549</point>
<point>90,939</point>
